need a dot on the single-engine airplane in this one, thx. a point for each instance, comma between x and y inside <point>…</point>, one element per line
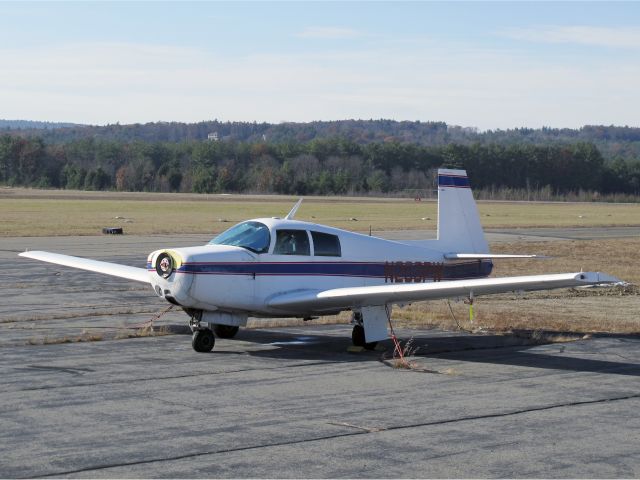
<point>281,267</point>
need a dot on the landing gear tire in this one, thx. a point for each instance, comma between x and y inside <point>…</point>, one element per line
<point>203,340</point>
<point>357,337</point>
<point>225,331</point>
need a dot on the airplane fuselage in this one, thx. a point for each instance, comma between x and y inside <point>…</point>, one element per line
<point>221,277</point>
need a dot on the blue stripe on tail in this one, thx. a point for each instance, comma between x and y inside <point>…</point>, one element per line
<point>453,181</point>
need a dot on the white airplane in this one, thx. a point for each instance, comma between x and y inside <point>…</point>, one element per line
<point>281,267</point>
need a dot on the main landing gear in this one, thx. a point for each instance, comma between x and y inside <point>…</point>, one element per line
<point>357,335</point>
<point>225,331</point>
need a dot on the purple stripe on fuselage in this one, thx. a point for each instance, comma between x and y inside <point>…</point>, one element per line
<point>399,270</point>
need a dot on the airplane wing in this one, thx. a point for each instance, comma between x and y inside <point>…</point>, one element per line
<point>343,298</point>
<point>115,269</point>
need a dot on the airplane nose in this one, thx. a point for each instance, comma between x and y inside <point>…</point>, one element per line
<point>173,288</point>
<point>166,262</point>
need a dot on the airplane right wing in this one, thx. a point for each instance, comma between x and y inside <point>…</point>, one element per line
<point>114,269</point>
<point>350,297</point>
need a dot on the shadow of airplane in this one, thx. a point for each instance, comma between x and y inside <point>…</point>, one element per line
<point>489,349</point>
<point>519,356</point>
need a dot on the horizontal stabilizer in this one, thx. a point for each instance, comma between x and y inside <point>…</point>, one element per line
<point>114,269</point>
<point>343,298</point>
<point>481,256</point>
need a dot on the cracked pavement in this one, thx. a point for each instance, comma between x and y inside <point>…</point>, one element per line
<point>268,404</point>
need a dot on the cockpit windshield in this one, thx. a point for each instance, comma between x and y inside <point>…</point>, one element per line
<point>253,236</point>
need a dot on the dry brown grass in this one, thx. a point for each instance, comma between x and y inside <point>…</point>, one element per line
<point>557,311</point>
<point>146,331</point>
<point>33,317</point>
<point>617,256</point>
<point>83,337</point>
<point>342,318</point>
<point>88,336</point>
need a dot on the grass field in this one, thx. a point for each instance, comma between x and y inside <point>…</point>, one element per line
<point>86,213</point>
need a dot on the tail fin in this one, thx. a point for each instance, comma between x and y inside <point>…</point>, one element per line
<point>459,228</point>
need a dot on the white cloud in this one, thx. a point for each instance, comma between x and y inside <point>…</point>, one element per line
<point>620,37</point>
<point>329,33</point>
<point>107,83</point>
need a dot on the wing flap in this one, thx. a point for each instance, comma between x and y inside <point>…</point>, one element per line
<point>343,298</point>
<point>114,269</point>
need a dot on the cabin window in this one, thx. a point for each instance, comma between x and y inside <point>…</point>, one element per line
<point>292,242</point>
<point>253,236</point>
<point>326,245</point>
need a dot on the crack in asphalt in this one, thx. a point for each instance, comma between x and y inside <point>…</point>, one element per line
<point>334,436</point>
<point>173,377</point>
<point>71,370</point>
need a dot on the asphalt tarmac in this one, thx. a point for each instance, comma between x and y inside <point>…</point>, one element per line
<point>289,402</point>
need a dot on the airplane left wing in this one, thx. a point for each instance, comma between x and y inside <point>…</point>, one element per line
<point>114,269</point>
<point>343,298</point>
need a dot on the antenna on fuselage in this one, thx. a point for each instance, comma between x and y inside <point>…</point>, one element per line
<point>293,211</point>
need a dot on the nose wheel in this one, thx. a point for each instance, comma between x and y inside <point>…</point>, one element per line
<point>203,340</point>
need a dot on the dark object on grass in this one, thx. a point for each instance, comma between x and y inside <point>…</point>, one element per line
<point>112,230</point>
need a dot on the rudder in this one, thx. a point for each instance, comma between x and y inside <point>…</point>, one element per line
<point>459,225</point>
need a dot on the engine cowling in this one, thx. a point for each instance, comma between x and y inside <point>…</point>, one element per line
<point>206,277</point>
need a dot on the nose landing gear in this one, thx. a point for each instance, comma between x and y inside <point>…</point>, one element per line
<point>203,339</point>
<point>204,324</point>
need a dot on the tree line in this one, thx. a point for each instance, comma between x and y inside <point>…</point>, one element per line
<point>322,166</point>
<point>612,141</point>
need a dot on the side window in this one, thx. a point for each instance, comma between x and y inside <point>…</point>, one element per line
<point>325,245</point>
<point>292,242</point>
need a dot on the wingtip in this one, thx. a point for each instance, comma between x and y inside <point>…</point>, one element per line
<point>597,278</point>
<point>35,254</point>
<point>605,278</point>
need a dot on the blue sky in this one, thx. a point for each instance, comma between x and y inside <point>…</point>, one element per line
<point>482,64</point>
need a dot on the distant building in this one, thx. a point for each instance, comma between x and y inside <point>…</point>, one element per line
<point>213,137</point>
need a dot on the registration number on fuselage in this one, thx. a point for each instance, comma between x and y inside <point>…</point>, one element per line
<point>412,272</point>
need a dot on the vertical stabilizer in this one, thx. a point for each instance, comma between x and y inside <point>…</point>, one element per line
<point>459,228</point>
